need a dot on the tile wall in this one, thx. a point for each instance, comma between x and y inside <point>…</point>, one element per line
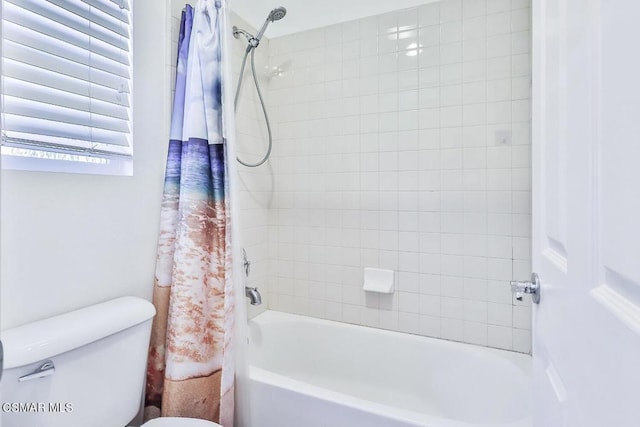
<point>402,141</point>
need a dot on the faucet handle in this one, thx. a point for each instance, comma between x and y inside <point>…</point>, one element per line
<point>246,263</point>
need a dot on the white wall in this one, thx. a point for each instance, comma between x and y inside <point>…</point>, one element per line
<point>386,156</point>
<point>71,240</point>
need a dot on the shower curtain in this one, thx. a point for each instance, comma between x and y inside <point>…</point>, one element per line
<point>190,370</point>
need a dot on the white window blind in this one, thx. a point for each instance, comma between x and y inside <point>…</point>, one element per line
<point>66,79</point>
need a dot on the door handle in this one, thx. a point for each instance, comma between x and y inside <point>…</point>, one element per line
<point>47,368</point>
<point>532,287</point>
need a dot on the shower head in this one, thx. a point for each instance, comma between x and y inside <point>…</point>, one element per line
<point>275,15</point>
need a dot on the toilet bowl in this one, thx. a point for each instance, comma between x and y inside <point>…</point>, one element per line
<point>85,368</point>
<point>179,422</point>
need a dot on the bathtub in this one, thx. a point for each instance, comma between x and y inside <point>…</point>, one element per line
<point>307,372</point>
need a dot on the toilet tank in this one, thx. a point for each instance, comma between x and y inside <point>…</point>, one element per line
<point>98,358</point>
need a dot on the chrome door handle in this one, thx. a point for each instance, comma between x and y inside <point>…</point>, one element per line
<point>532,287</point>
<point>47,368</point>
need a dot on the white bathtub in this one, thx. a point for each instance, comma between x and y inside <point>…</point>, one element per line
<point>308,372</point>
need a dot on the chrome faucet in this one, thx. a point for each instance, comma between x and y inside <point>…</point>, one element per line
<point>533,287</point>
<point>253,294</point>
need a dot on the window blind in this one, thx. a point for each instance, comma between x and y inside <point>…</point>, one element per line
<point>66,77</point>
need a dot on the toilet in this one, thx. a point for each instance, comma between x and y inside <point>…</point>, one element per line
<point>84,368</point>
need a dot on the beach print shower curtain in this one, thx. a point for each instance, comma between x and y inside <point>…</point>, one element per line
<point>190,370</point>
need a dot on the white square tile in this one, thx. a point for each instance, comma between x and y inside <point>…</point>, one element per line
<point>522,341</point>
<point>429,77</point>
<point>521,65</point>
<point>474,71</point>
<point>450,10</point>
<point>474,28</point>
<point>498,90</point>
<point>522,317</point>
<point>409,241</point>
<point>368,27</point>
<point>521,42</point>
<point>450,74</point>
<point>450,53</point>
<point>474,49</point>
<point>499,112</point>
<point>451,158</point>
<point>451,137</point>
<point>475,333</point>
<point>409,322</point>
<point>408,302</point>
<point>452,201</point>
<point>387,43</point>
<point>452,329</point>
<point>429,57</point>
<point>474,114</point>
<point>474,93</point>
<point>521,110</point>
<point>450,116</point>
<point>498,292</point>
<point>500,314</point>
<point>451,32</point>
<point>429,14</point>
<point>429,118</point>
<point>473,8</point>
<point>450,95</point>
<point>500,337</point>
<point>474,158</point>
<point>521,88</point>
<point>429,305</point>
<point>522,248</point>
<point>387,23</point>
<point>429,284</point>
<point>407,40</point>
<point>452,308</point>
<point>408,19</point>
<point>499,45</point>
<point>494,6</point>
<point>499,68</point>
<point>430,326</point>
<point>498,23</point>
<point>475,311</point>
<point>407,79</point>
<point>429,264</point>
<point>521,20</point>
<point>429,36</point>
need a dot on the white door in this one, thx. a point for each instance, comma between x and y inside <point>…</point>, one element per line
<point>586,212</point>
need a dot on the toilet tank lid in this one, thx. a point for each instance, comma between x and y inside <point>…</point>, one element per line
<point>46,338</point>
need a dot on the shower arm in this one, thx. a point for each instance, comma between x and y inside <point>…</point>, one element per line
<point>253,41</point>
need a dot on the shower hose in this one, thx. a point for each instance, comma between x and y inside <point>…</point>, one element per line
<point>251,50</point>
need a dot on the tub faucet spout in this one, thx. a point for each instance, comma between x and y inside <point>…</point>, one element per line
<point>253,294</point>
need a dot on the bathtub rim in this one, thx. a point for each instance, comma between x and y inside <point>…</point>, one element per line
<point>521,360</point>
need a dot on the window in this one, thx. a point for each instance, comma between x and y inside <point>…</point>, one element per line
<point>66,85</point>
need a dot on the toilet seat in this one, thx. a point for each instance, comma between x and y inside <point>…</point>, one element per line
<point>179,422</point>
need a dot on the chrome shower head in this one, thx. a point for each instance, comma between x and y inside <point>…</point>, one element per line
<point>277,14</point>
